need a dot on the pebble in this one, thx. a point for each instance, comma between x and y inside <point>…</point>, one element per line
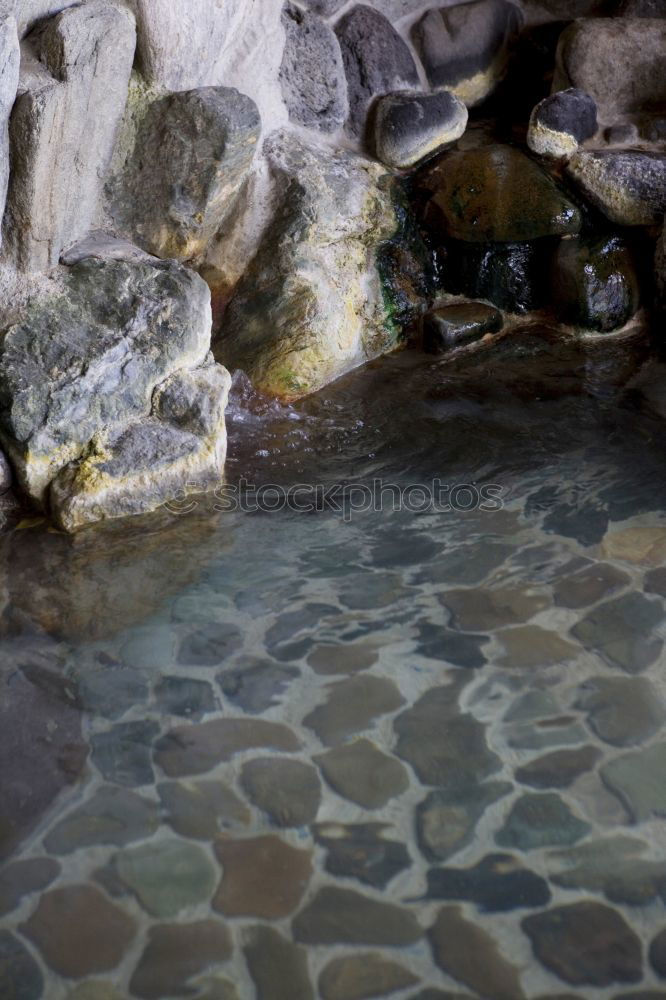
<point>278,967</point>
<point>123,754</point>
<point>468,954</point>
<point>361,851</point>
<point>540,820</point>
<point>202,809</point>
<point>411,127</point>
<point>558,769</point>
<point>446,820</point>
<point>621,631</point>
<point>497,883</point>
<point>622,711</point>
<point>196,749</point>
<point>487,609</point>
<point>289,791</point>
<point>352,706</point>
<point>343,916</point>
<point>362,773</point>
<point>257,686</point>
<point>184,696</point>
<point>363,976</point>
<point>177,952</point>
<point>638,781</point>
<point>112,815</point>
<point>167,876</point>
<point>262,877</point>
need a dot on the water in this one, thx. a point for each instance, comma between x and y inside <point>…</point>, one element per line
<point>230,739</point>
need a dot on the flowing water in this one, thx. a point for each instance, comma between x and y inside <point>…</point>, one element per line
<point>386,748</point>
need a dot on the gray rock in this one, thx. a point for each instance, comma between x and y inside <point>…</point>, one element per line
<point>638,781</point>
<point>167,876</point>
<point>20,976</point>
<point>191,158</point>
<point>376,60</point>
<point>624,631</point>
<point>611,866</point>
<point>23,878</point>
<point>628,186</point>
<point>324,7</point>
<point>453,326</point>
<point>74,81</point>
<point>310,307</point>
<point>622,710</point>
<point>595,285</point>
<point>312,75</point>
<point>618,62</point>
<point>540,820</point>
<point>123,753</point>
<point>446,820</point>
<point>179,45</point>
<point>561,122</point>
<point>409,127</point>
<point>112,816</point>
<point>465,48</point>
<point>10,58</point>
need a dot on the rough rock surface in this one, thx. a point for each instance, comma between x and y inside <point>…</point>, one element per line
<point>168,30</point>
<point>190,162</point>
<point>561,122</point>
<point>312,74</point>
<point>310,307</point>
<point>628,186</point>
<point>595,285</point>
<point>409,127</point>
<point>10,58</point>
<point>465,47</point>
<point>74,79</point>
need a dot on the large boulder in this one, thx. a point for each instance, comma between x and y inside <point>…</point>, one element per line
<point>109,401</point>
<point>628,186</point>
<point>595,285</point>
<point>192,155</point>
<point>312,76</point>
<point>310,306</point>
<point>180,43</point>
<point>75,71</point>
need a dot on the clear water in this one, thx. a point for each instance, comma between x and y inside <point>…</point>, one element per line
<point>122,649</point>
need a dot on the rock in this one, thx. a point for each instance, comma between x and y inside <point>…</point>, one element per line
<point>360,850</point>
<point>312,75</point>
<point>78,931</point>
<point>175,953</point>
<point>595,285</point>
<point>202,809</point>
<point>498,194</point>
<point>22,878</point>
<point>324,7</point>
<point>175,203</point>
<point>446,820</point>
<point>257,686</point>
<point>178,49</point>
<point>10,58</point>
<point>540,820</point>
<point>20,976</point>
<point>285,326</point>
<point>654,581</point>
<point>279,968</point>
<point>363,774</point>
<point>469,955</point>
<point>111,816</point>
<point>640,545</point>
<point>123,753</point>
<point>657,954</point>
<point>352,706</point>
<point>491,609</point>
<point>74,80</point>
<point>342,916</point>
<point>376,61</point>
<point>167,876</point>
<point>184,696</point>
<point>632,47</point>
<point>448,646</point>
<point>625,134</point>
<point>109,690</point>
<point>289,791</point>
<point>513,276</point>
<point>210,644</point>
<point>623,711</point>
<point>627,185</point>
<point>611,866</point>
<point>465,47</point>
<point>362,976</point>
<point>347,658</point>
<point>558,769</point>
<point>589,585</point>
<point>637,780</point>
<point>196,749</point>
<point>586,943</point>
<point>497,883</point>
<point>561,122</point>
<point>263,877</point>
<point>447,327</point>
<point>622,631</point>
<point>411,126</point>
<point>533,646</point>
<point>94,989</point>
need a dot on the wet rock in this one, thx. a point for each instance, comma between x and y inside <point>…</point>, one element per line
<point>465,47</point>
<point>361,851</point>
<point>342,916</point>
<point>72,93</point>
<point>640,545</point>
<point>613,867</point>
<point>595,285</point>
<point>78,931</point>
<point>209,645</point>
<point>263,877</point>
<point>167,875</point>
<point>655,581</point>
<point>175,953</point>
<point>628,186</point>
<point>657,954</point>
<point>196,749</point>
<point>622,631</point>
<point>376,60</point>
<point>513,276</point>
<point>446,820</point>
<point>497,194</point>
<point>345,658</point>
<point>312,74</point>
<point>111,816</point>
<point>10,57</point>
<point>363,774</point>
<point>451,647</point>
<point>455,325</point>
<point>555,732</point>
<point>466,565</point>
<point>498,882</point>
<point>111,690</point>
<point>586,943</point>
<point>284,326</point>
<point>540,820</point>
<point>468,954</point>
<point>20,976</point>
<point>258,686</point>
<point>22,878</point>
<point>638,781</point>
<point>184,696</point>
<point>633,47</point>
<point>410,127</point>
<point>561,122</point>
<point>589,585</point>
<point>622,711</point>
<point>174,204</point>
<point>202,809</point>
<point>357,977</point>
<point>123,754</point>
<point>558,769</point>
<point>491,609</point>
<point>352,706</point>
<point>279,968</point>
<point>446,748</point>
<point>289,791</point>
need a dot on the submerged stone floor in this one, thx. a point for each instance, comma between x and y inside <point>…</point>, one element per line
<point>394,757</point>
